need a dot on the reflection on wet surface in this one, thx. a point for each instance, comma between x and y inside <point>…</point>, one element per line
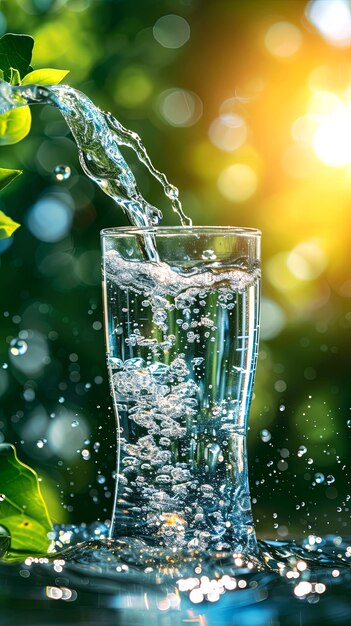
<point>301,583</point>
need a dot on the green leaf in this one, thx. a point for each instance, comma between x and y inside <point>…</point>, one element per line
<point>47,76</point>
<point>15,125</point>
<point>7,176</point>
<point>15,52</point>
<point>7,226</point>
<point>23,512</point>
<point>15,77</point>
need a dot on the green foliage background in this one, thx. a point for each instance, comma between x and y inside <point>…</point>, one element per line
<point>50,291</point>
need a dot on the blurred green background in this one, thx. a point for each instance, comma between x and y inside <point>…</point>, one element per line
<point>246,106</point>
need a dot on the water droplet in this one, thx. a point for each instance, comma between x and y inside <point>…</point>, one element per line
<point>75,423</point>
<point>41,443</point>
<point>319,478</point>
<point>209,255</point>
<point>265,435</point>
<point>18,346</point>
<point>301,451</point>
<point>62,172</point>
<point>330,479</point>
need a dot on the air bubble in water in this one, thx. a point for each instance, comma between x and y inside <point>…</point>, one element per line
<point>197,360</point>
<point>158,369</point>
<point>86,454</point>
<point>41,443</point>
<point>265,435</point>
<point>301,451</point>
<point>114,362</point>
<point>348,423</point>
<point>100,479</point>
<point>134,364</point>
<point>330,479</point>
<point>209,255</point>
<point>75,423</point>
<point>18,347</point>
<point>62,172</point>
<point>319,478</point>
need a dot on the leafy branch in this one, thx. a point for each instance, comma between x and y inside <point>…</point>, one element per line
<point>15,68</point>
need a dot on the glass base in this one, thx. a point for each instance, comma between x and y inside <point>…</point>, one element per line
<point>151,563</point>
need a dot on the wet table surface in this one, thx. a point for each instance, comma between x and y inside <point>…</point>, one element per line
<point>300,583</point>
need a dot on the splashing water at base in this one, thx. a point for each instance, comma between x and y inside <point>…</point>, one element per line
<point>302,583</point>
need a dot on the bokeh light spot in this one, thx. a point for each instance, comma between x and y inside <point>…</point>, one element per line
<point>332,18</point>
<point>237,182</point>
<point>134,86</point>
<point>87,267</point>
<point>228,132</point>
<point>64,440</point>
<point>171,31</point>
<point>50,219</point>
<point>283,39</point>
<point>180,107</point>
<point>304,128</point>
<point>307,260</point>
<point>273,319</point>
<point>33,360</point>
<point>332,139</point>
<point>279,274</point>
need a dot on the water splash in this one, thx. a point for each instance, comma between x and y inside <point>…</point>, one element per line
<point>98,136</point>
<point>309,579</point>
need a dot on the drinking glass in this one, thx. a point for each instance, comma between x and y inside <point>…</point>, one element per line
<point>182,326</point>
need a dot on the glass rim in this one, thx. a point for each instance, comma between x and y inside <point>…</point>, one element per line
<point>240,231</point>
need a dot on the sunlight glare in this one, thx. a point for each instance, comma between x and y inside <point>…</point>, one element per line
<point>332,18</point>
<point>332,139</point>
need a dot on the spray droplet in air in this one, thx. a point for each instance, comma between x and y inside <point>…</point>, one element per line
<point>301,451</point>
<point>319,478</point>
<point>62,172</point>
<point>18,347</point>
<point>265,435</point>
